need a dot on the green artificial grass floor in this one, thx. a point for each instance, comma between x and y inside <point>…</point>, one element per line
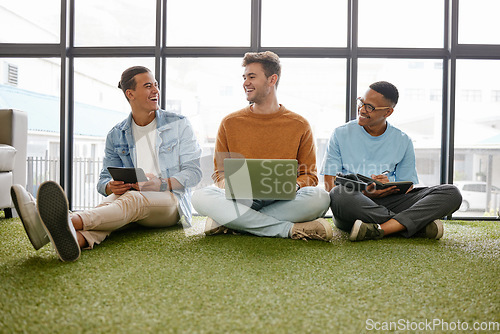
<point>179,281</point>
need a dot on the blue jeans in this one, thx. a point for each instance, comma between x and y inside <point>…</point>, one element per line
<point>261,218</point>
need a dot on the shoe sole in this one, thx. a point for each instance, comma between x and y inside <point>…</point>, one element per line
<point>37,244</point>
<point>355,230</point>
<point>53,210</point>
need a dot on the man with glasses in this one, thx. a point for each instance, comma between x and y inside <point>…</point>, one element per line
<point>372,147</point>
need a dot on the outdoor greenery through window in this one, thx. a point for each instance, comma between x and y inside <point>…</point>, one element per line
<point>197,60</point>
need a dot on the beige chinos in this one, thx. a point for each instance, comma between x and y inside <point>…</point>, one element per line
<point>147,208</point>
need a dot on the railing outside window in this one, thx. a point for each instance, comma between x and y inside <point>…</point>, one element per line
<point>85,176</point>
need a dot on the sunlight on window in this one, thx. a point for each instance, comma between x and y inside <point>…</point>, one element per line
<point>478,22</point>
<point>36,23</point>
<point>208,23</point>
<point>115,22</point>
<point>401,23</point>
<point>322,23</point>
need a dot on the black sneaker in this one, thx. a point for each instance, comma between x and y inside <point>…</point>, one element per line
<point>433,230</point>
<point>54,212</point>
<point>365,231</point>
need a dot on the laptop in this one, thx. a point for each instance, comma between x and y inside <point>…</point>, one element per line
<point>264,179</point>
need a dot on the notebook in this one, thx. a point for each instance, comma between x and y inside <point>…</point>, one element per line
<point>403,186</point>
<point>265,179</point>
<point>360,182</point>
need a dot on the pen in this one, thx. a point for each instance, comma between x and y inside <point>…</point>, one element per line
<point>385,172</point>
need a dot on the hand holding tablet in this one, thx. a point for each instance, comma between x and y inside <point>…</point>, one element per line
<point>128,174</point>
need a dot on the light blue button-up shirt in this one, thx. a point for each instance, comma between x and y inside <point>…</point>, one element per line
<point>177,148</point>
<point>353,150</point>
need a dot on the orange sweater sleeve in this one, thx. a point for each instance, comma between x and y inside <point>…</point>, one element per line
<point>220,153</point>
<point>306,157</point>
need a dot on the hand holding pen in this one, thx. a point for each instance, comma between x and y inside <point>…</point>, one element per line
<point>382,177</point>
<point>372,192</point>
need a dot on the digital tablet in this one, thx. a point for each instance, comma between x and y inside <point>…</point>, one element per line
<point>127,174</point>
<point>403,186</point>
<point>350,183</point>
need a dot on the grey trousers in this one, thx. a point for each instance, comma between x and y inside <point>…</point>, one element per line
<point>413,210</point>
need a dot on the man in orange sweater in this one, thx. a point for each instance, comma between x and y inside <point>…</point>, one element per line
<point>266,130</point>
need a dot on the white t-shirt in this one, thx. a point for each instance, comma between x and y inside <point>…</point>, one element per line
<point>145,144</point>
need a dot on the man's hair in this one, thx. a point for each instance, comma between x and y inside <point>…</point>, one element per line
<point>127,80</point>
<point>269,60</point>
<point>388,90</point>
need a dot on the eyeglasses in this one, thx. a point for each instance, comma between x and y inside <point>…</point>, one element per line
<point>368,107</point>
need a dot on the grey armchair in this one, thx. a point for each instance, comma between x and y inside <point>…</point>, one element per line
<point>13,147</point>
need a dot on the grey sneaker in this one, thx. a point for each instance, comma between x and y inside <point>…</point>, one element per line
<point>365,231</point>
<point>54,212</point>
<point>318,229</point>
<point>212,228</point>
<point>433,230</point>
<point>26,208</point>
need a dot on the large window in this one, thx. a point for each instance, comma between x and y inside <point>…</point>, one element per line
<point>477,137</point>
<point>443,66</point>
<point>32,86</point>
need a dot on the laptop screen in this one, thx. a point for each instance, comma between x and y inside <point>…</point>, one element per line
<point>266,179</point>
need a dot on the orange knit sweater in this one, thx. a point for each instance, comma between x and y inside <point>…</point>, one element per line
<point>282,135</point>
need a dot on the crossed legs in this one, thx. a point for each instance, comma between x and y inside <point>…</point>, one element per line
<point>406,214</point>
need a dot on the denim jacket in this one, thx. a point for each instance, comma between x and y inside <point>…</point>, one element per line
<point>178,151</point>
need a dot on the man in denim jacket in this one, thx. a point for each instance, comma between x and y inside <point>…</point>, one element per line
<point>161,143</point>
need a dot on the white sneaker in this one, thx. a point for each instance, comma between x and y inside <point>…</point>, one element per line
<point>433,230</point>
<point>318,229</point>
<point>26,208</point>
<point>54,212</point>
